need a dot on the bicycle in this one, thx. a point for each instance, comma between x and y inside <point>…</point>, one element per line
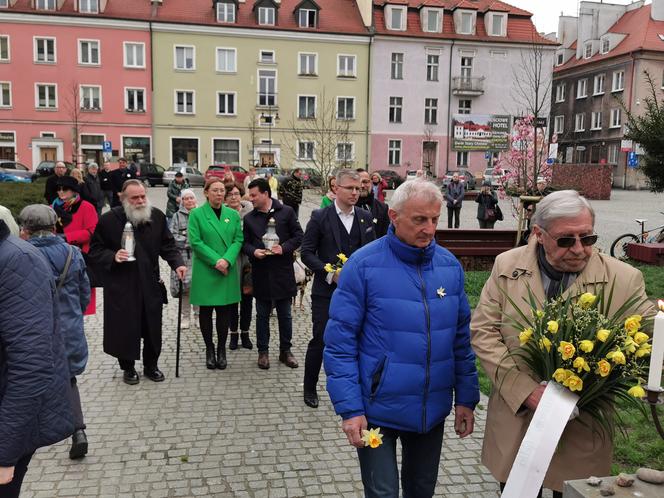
<point>619,246</point>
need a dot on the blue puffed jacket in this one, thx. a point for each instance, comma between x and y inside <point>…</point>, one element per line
<point>397,344</point>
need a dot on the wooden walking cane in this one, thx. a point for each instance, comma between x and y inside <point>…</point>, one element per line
<point>177,341</point>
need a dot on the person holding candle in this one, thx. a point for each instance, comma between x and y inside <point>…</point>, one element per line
<point>559,259</point>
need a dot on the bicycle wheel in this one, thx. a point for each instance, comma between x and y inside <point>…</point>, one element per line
<point>619,246</point>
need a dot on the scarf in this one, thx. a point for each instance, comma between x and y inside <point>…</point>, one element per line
<point>65,210</point>
<point>555,282</point>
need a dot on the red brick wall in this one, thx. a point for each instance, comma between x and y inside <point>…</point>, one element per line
<point>592,180</point>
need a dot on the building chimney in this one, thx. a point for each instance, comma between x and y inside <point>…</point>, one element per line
<point>366,11</point>
<point>657,10</point>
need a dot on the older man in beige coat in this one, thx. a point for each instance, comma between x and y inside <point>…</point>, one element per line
<point>558,259</point>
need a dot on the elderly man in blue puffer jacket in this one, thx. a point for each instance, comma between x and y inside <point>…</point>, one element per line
<point>34,378</point>
<point>397,347</point>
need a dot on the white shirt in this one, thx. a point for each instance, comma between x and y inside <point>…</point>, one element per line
<point>346,218</point>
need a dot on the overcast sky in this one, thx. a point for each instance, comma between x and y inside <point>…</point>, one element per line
<point>546,12</point>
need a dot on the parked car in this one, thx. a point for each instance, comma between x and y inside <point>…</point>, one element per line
<point>219,170</point>
<point>491,178</point>
<point>391,177</point>
<point>261,172</point>
<point>195,177</point>
<point>17,170</point>
<point>465,177</point>
<point>150,174</point>
<point>45,168</point>
<point>411,174</point>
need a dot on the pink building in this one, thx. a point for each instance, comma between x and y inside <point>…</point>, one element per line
<point>71,80</point>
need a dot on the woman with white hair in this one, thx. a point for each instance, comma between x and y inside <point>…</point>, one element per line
<point>179,228</point>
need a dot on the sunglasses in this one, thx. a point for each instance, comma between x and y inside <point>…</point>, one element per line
<point>62,189</point>
<point>567,242</point>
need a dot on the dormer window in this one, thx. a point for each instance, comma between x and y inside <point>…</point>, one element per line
<point>88,6</point>
<point>307,18</point>
<point>606,46</point>
<point>588,50</point>
<point>266,16</point>
<point>498,26</point>
<point>465,22</point>
<point>560,59</point>
<point>226,12</point>
<point>432,20</point>
<point>396,18</point>
<point>46,4</point>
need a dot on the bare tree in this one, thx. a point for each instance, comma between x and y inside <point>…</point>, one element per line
<point>320,139</point>
<point>252,126</point>
<point>73,107</point>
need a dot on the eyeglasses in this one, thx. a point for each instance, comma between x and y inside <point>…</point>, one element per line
<point>62,189</point>
<point>567,242</point>
<point>350,189</point>
<point>233,194</point>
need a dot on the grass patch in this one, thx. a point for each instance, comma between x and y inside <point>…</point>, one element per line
<point>15,196</point>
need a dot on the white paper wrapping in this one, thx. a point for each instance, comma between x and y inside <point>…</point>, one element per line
<point>540,442</point>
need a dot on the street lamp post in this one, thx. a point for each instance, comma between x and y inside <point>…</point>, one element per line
<point>272,119</point>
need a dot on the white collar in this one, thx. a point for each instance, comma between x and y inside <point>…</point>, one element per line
<point>341,213</point>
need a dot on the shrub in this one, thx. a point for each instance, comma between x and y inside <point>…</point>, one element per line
<point>15,196</point>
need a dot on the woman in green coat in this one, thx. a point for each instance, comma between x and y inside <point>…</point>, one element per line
<point>215,237</point>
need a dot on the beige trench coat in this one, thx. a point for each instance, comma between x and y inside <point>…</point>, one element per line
<point>580,453</point>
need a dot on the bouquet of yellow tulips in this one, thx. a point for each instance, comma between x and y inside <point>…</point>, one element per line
<point>574,342</point>
<point>338,266</point>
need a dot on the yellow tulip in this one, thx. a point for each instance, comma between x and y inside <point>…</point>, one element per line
<point>644,350</point>
<point>566,350</point>
<point>539,313</point>
<point>629,346</point>
<point>545,343</point>
<point>581,364</point>
<point>640,338</point>
<point>561,375</point>
<point>552,326</point>
<point>342,257</point>
<point>328,268</point>
<point>633,324</point>
<point>574,383</point>
<point>603,368</point>
<point>637,392</point>
<point>586,346</point>
<point>617,357</point>
<point>603,335</point>
<point>587,299</point>
<point>372,437</point>
<point>525,335</point>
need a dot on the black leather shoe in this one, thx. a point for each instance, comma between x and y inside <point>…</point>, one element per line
<point>311,399</point>
<point>79,445</point>
<point>130,377</point>
<point>221,358</point>
<point>154,375</point>
<point>246,342</point>
<point>210,362</point>
<point>232,345</point>
<point>287,358</point>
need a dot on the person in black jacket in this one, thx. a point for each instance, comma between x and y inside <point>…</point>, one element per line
<point>290,191</point>
<point>118,178</point>
<point>106,184</point>
<point>368,202</point>
<point>340,228</point>
<point>35,409</point>
<point>91,188</point>
<point>486,206</point>
<point>51,187</point>
<point>272,272</point>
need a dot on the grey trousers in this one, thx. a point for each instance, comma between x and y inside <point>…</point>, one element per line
<point>75,400</point>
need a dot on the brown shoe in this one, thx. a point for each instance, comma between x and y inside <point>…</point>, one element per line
<point>288,359</point>
<point>263,361</point>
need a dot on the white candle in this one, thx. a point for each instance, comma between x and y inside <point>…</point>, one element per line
<point>657,354</point>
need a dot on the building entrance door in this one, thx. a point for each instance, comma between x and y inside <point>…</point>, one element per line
<point>267,159</point>
<point>47,153</point>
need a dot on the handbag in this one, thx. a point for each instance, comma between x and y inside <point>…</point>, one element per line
<point>247,284</point>
<point>94,275</point>
<point>489,214</point>
<point>499,213</point>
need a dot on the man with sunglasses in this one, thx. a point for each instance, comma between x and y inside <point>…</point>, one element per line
<point>559,260</point>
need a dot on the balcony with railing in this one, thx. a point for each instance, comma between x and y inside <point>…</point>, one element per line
<point>468,87</point>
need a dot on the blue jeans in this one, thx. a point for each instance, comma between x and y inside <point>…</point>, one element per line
<point>284,318</point>
<point>420,456</point>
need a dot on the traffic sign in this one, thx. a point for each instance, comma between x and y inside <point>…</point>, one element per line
<point>107,146</point>
<point>550,161</point>
<point>632,159</point>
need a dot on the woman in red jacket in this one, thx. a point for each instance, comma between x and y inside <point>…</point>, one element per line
<point>77,220</point>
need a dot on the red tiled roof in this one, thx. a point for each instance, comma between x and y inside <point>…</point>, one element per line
<point>642,34</point>
<point>480,5</point>
<point>336,16</point>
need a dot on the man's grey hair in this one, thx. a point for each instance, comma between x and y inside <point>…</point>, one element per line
<point>346,173</point>
<point>561,204</point>
<point>415,189</point>
<point>93,165</point>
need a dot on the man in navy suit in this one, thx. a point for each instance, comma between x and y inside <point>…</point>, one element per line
<point>338,228</point>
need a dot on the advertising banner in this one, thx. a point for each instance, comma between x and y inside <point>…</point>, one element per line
<point>480,132</point>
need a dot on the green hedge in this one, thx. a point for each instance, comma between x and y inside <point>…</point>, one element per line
<point>15,196</point>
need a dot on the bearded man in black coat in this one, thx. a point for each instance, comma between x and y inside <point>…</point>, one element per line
<point>133,292</point>
<point>368,202</point>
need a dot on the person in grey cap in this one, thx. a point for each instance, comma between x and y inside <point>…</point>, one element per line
<point>37,223</point>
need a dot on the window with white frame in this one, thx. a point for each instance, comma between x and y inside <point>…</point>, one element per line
<point>560,92</point>
<point>266,57</point>
<point>91,97</point>
<point>616,120</point>
<point>345,107</point>
<point>612,156</point>
<point>184,102</point>
<point>305,150</point>
<point>88,52</point>
<point>598,84</point>
<point>88,6</point>
<point>226,103</point>
<point>430,111</point>
<point>559,124</point>
<point>46,96</point>
<point>560,58</point>
<point>432,67</point>
<point>466,24</point>
<point>135,99</point>
<point>466,68</point>
<point>596,121</point>
<point>462,158</point>
<point>396,68</point>
<point>184,58</point>
<point>306,107</point>
<point>266,16</point>
<point>465,106</point>
<point>498,22</point>
<point>618,83</point>
<point>46,4</point>
<point>226,60</point>
<point>5,94</point>
<point>226,12</point>
<point>579,122</point>
<point>346,66</point>
<point>4,4</point>
<point>267,87</point>
<point>307,18</point>
<point>45,50</point>
<point>582,88</point>
<point>606,46</point>
<point>308,64</point>
<point>396,18</point>
<point>588,50</point>
<point>345,151</point>
<point>432,20</point>
<point>396,106</point>
<point>394,152</point>
<point>226,151</point>
<point>4,49</point>
<point>134,55</point>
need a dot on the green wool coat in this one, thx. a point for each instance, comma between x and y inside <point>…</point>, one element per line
<point>212,238</point>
